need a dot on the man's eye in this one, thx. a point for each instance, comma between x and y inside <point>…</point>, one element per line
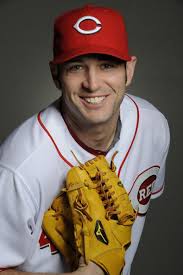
<point>106,66</point>
<point>74,68</point>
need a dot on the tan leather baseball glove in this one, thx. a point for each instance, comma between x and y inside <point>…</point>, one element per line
<point>59,228</point>
<point>102,215</point>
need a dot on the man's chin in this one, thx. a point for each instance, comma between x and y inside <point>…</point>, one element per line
<point>94,121</point>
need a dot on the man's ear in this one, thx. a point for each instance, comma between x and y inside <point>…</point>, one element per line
<point>55,72</point>
<point>130,68</point>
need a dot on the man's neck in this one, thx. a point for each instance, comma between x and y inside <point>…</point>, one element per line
<point>97,137</point>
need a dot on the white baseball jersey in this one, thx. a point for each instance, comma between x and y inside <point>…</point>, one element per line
<point>35,159</point>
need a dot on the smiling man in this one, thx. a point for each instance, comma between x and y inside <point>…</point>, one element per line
<point>93,88</point>
<point>93,119</point>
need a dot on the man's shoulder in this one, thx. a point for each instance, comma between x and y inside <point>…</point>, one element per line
<point>149,122</point>
<point>26,139</point>
<point>144,108</point>
<point>142,103</point>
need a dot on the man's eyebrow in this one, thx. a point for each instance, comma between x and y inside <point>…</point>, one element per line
<point>77,59</point>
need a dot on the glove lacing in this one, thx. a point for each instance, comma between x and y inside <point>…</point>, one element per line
<point>109,201</point>
<point>107,197</point>
<point>81,206</point>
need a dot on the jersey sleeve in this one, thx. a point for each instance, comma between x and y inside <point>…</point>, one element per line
<point>160,180</point>
<point>17,212</point>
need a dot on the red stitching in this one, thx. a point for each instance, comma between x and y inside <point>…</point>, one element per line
<point>137,124</point>
<point>158,190</point>
<point>54,143</point>
<point>3,269</point>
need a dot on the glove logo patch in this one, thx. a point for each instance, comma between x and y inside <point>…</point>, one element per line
<point>100,233</point>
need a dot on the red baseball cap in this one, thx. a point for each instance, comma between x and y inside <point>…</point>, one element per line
<point>90,29</point>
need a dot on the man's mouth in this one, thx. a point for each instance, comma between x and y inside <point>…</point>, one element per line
<point>94,100</point>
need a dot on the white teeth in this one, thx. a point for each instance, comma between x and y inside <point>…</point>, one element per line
<point>94,100</point>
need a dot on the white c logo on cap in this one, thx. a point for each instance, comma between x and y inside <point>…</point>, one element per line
<point>98,27</point>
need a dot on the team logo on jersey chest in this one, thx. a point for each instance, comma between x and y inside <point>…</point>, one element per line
<point>44,242</point>
<point>145,189</point>
<point>141,191</point>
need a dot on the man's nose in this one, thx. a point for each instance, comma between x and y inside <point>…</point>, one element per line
<point>91,81</point>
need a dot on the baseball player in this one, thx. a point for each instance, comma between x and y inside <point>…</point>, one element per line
<point>94,115</point>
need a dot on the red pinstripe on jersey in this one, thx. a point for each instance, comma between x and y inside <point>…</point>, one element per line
<point>134,136</point>
<point>54,143</point>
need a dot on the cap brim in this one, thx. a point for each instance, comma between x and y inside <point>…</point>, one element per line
<point>89,50</point>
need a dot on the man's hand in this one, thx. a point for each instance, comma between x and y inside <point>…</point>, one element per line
<point>89,269</point>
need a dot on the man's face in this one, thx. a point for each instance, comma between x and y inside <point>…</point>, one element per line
<point>93,88</point>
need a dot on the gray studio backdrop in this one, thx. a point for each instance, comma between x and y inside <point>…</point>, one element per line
<point>156,38</point>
